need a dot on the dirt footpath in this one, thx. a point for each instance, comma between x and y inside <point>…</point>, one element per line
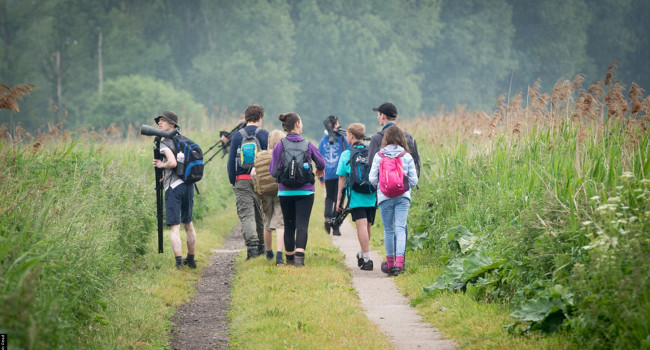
<point>202,322</point>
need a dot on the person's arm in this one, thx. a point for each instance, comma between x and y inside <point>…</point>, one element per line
<point>343,171</point>
<point>170,160</point>
<point>318,160</point>
<point>411,172</point>
<point>373,147</point>
<point>276,159</point>
<point>373,176</point>
<point>339,192</point>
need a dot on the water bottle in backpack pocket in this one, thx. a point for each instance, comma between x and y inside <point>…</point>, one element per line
<point>393,181</point>
<point>189,159</point>
<point>295,169</point>
<point>246,152</point>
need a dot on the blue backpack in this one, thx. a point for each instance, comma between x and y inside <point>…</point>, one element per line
<point>248,149</point>
<point>190,169</point>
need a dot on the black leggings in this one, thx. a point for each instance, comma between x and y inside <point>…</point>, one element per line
<point>331,190</point>
<point>296,211</point>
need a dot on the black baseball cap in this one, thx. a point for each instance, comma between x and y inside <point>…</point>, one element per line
<point>387,108</point>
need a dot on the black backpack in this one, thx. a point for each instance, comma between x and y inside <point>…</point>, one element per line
<point>295,169</point>
<point>191,169</point>
<point>359,170</point>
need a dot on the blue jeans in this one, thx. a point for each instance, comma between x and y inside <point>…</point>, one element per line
<point>394,212</point>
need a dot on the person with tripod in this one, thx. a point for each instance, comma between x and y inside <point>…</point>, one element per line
<point>353,171</point>
<point>331,147</point>
<point>179,196</point>
<point>244,146</point>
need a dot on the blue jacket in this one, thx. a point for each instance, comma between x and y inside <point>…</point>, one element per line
<point>235,142</point>
<point>332,154</point>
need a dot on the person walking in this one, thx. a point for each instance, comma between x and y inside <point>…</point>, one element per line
<point>394,206</point>
<point>179,196</point>
<point>291,165</point>
<point>362,205</point>
<point>244,145</point>
<point>267,189</point>
<point>386,116</point>
<point>331,147</point>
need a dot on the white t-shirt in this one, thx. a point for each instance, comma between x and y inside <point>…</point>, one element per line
<point>169,175</point>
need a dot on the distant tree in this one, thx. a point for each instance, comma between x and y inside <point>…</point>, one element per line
<point>136,99</point>
<point>347,65</point>
<point>551,40</point>
<point>472,62</point>
<point>248,59</point>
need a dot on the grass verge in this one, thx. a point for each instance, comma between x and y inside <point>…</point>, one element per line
<point>300,308</point>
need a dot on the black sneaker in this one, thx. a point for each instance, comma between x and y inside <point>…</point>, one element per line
<point>179,262</point>
<point>359,259</point>
<point>279,261</point>
<point>395,271</point>
<point>191,263</point>
<point>367,265</point>
<point>335,231</point>
<point>291,261</point>
<point>328,226</point>
<point>299,261</point>
<point>269,255</point>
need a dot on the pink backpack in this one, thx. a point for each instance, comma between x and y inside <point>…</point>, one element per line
<point>393,182</point>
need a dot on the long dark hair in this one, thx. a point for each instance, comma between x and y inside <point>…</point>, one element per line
<point>394,136</point>
<point>289,120</point>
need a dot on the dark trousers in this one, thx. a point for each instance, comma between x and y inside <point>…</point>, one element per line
<point>296,211</point>
<point>331,191</point>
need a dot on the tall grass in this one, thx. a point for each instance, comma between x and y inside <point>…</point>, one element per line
<point>77,218</point>
<point>544,207</point>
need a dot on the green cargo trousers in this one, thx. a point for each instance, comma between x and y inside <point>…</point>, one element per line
<point>250,212</point>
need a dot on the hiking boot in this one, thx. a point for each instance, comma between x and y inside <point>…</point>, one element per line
<point>367,265</point>
<point>359,259</point>
<point>269,255</point>
<point>335,231</point>
<point>328,226</point>
<point>191,263</point>
<point>291,261</point>
<point>396,270</point>
<point>252,252</point>
<point>384,268</point>
<point>299,261</point>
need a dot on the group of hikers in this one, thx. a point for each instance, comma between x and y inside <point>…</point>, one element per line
<point>273,175</point>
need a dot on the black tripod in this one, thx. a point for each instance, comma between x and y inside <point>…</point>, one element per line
<point>150,131</point>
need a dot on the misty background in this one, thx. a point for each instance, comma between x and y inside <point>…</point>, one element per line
<point>99,62</point>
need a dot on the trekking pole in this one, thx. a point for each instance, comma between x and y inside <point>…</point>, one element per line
<point>150,131</point>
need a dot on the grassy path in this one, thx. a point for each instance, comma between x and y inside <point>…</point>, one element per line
<point>299,308</point>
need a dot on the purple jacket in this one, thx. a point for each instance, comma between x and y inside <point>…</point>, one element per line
<point>276,161</point>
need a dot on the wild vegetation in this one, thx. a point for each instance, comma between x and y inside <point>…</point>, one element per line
<point>77,223</point>
<point>543,206</point>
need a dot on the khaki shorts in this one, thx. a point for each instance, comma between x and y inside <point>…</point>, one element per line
<point>273,218</point>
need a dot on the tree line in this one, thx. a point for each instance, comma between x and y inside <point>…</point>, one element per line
<point>97,62</point>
